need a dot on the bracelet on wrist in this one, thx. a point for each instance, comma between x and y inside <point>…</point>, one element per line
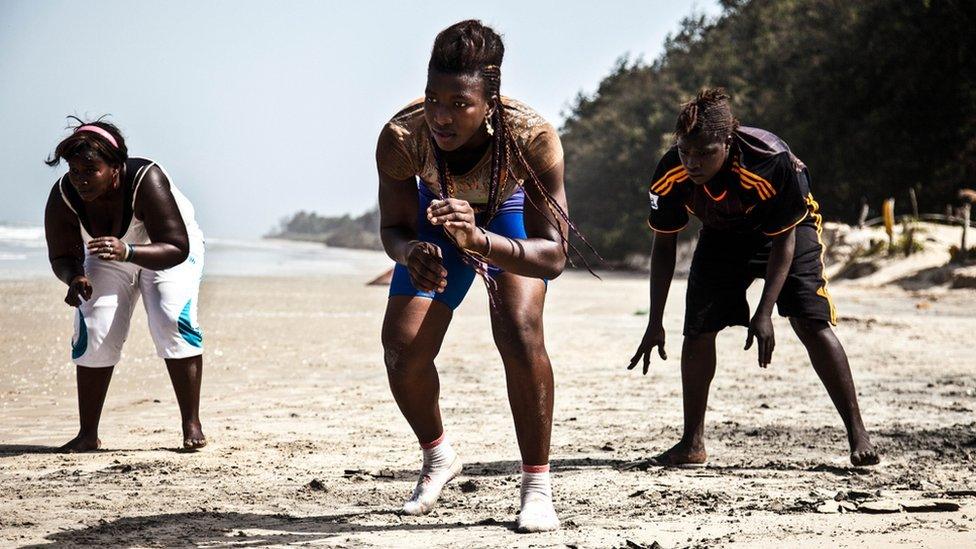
<point>487,242</point>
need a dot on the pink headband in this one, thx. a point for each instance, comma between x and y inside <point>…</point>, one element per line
<point>99,131</point>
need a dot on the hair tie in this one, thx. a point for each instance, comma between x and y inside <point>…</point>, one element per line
<point>100,131</point>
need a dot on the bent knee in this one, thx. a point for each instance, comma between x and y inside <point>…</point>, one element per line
<point>519,339</point>
<point>393,356</point>
<point>524,350</point>
<point>401,360</point>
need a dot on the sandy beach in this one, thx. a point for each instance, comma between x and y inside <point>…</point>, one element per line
<point>308,447</point>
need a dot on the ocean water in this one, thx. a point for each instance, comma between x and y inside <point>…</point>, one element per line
<point>23,254</point>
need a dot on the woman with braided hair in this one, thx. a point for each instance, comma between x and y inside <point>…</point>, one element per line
<point>455,171</point>
<point>759,220</point>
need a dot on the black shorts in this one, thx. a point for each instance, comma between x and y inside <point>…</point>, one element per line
<point>725,264</point>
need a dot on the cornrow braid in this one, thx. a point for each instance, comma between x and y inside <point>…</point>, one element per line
<point>709,113</point>
<point>499,156</point>
<point>469,47</point>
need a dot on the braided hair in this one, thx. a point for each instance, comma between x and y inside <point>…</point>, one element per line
<point>470,47</point>
<point>708,114</point>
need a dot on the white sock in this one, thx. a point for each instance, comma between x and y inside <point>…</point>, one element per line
<point>441,464</point>
<point>439,456</point>
<point>537,514</point>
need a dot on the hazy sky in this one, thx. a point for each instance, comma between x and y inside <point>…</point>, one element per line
<point>259,109</point>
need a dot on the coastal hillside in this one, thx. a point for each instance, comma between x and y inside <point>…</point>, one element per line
<point>362,232</point>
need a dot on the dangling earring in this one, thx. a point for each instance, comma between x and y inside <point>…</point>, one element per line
<point>491,131</point>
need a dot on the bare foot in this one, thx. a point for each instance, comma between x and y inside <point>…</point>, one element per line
<point>682,455</point>
<point>863,453</point>
<point>81,443</point>
<point>193,437</point>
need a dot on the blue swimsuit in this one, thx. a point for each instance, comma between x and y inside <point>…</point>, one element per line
<point>509,221</point>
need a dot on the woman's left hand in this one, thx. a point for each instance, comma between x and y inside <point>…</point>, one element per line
<point>457,218</point>
<point>108,248</point>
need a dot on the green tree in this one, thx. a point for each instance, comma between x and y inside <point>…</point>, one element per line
<point>875,96</point>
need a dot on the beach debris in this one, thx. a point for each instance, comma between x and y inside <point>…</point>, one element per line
<point>118,468</point>
<point>853,495</point>
<point>924,485</point>
<point>956,493</point>
<point>963,277</point>
<point>879,507</point>
<point>469,486</point>
<point>883,506</point>
<point>315,484</point>
<point>631,544</point>
<point>355,474</point>
<point>608,448</point>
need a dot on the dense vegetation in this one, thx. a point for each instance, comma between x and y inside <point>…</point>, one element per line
<point>876,96</point>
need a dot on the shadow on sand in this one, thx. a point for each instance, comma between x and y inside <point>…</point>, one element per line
<point>231,528</point>
<point>10,450</point>
<point>7,450</point>
<point>512,467</point>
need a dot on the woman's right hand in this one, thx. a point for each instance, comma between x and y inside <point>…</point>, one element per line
<point>79,289</point>
<point>653,337</point>
<point>424,262</point>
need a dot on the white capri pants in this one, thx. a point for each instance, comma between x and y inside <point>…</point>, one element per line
<point>169,296</point>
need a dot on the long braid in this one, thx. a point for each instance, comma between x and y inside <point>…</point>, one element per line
<point>499,154</point>
<point>468,47</point>
<point>557,211</point>
<point>445,191</point>
<point>504,144</point>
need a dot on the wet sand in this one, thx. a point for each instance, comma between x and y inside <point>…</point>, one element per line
<point>308,447</point>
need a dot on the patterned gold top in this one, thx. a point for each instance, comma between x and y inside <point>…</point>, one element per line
<point>404,151</point>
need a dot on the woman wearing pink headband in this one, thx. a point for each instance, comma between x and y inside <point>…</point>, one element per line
<point>118,229</point>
